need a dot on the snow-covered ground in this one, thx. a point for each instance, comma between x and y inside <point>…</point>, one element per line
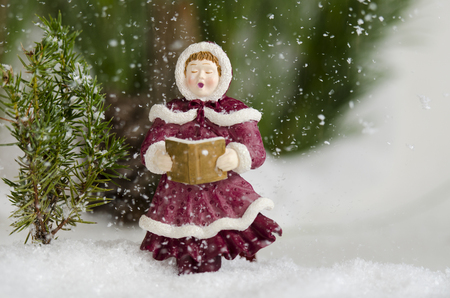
<point>92,268</point>
<point>365,216</point>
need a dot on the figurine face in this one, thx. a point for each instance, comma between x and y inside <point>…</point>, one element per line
<point>202,77</point>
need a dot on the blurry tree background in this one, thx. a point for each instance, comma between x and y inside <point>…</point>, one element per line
<point>302,63</point>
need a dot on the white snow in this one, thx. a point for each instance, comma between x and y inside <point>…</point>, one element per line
<point>117,268</point>
<point>362,215</point>
<point>322,119</point>
<point>425,101</point>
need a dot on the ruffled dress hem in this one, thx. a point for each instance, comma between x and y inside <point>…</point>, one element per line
<point>227,243</point>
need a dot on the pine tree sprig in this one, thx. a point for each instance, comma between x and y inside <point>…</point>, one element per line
<point>56,113</point>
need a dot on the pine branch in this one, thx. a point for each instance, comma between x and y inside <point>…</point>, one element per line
<point>8,120</point>
<point>60,226</point>
<point>60,129</point>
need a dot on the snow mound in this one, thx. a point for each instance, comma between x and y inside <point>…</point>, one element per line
<point>117,268</point>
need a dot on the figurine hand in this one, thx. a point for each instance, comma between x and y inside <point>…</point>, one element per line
<point>229,161</point>
<point>163,161</point>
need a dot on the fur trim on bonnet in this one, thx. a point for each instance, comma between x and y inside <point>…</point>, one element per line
<point>224,62</point>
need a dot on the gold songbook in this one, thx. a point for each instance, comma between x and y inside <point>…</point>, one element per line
<point>194,162</point>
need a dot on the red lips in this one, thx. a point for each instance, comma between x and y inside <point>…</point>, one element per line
<point>200,85</point>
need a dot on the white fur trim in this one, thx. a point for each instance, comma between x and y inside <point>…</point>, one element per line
<point>245,160</point>
<point>199,232</point>
<point>169,116</point>
<point>221,119</point>
<point>150,157</point>
<point>233,118</point>
<point>224,62</point>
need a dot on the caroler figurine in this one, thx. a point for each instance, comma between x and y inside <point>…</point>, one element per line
<point>203,209</point>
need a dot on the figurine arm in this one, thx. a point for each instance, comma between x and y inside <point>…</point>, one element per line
<point>248,146</point>
<point>153,150</point>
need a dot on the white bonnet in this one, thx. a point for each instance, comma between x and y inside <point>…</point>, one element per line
<point>224,62</point>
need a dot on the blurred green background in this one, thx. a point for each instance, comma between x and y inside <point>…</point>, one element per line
<point>303,64</point>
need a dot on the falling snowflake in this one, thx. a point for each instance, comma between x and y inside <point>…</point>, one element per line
<point>359,30</point>
<point>425,101</point>
<point>322,119</point>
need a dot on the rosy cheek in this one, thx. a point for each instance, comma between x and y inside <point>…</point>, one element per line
<point>191,80</point>
<point>211,82</point>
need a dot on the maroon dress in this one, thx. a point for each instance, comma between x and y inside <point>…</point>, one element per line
<point>199,224</point>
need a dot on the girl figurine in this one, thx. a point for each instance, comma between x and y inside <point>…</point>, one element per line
<point>200,224</point>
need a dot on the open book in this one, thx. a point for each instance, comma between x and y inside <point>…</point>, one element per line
<point>194,162</point>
